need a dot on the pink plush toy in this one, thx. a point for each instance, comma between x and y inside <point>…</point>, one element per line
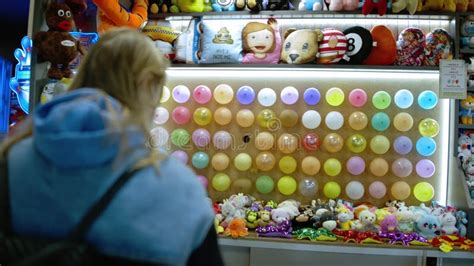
<point>338,5</point>
<point>389,223</point>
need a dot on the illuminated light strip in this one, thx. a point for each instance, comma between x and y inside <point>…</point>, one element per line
<point>445,143</point>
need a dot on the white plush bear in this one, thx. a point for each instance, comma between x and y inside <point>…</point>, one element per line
<point>464,148</point>
<point>366,222</point>
<point>286,210</point>
<point>448,224</point>
<point>469,169</point>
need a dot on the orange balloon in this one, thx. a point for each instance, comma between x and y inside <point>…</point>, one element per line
<point>288,118</point>
<point>245,118</point>
<point>333,142</point>
<point>265,161</point>
<point>220,161</point>
<point>223,116</point>
<point>287,143</point>
<point>358,120</point>
<point>379,167</point>
<point>310,165</point>
<point>264,141</point>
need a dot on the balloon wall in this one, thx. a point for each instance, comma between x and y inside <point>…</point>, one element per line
<point>305,134</point>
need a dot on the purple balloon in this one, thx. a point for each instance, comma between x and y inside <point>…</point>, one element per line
<point>402,167</point>
<point>201,137</point>
<point>311,96</point>
<point>203,180</point>
<point>222,140</point>
<point>355,165</point>
<point>289,95</point>
<point>180,156</point>
<point>245,95</point>
<point>403,145</point>
<point>425,168</point>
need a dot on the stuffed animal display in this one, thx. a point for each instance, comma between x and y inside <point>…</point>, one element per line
<point>113,13</point>
<point>301,46</point>
<point>261,42</point>
<point>411,47</point>
<point>56,45</point>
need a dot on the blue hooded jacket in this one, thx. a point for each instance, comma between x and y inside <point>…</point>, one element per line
<point>75,155</point>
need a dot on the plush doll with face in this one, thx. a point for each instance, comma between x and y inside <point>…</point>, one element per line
<point>301,46</point>
<point>411,47</point>
<point>439,45</point>
<point>113,13</point>
<point>261,43</point>
<point>57,45</point>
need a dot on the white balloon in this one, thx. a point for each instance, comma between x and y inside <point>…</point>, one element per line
<point>267,97</point>
<point>289,95</point>
<point>181,94</point>
<point>159,137</point>
<point>355,190</point>
<point>161,116</point>
<point>311,119</point>
<point>334,120</point>
<point>166,94</point>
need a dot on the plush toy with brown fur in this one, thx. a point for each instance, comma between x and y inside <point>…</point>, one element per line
<point>301,46</point>
<point>56,45</point>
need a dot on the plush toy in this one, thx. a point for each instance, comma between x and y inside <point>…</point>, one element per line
<point>439,45</point>
<point>340,5</point>
<point>389,223</point>
<point>303,220</point>
<point>344,217</point>
<point>461,5</point>
<point>470,5</point>
<point>467,27</point>
<point>252,219</point>
<point>410,5</point>
<point>187,43</point>
<point>467,112</point>
<point>406,220</point>
<point>469,169</point>
<point>326,220</point>
<point>236,228</point>
<point>310,5</point>
<point>301,46</point>
<point>436,5</point>
<point>385,50</point>
<point>448,224</point>
<point>465,148</point>
<point>359,45</point>
<point>229,212</point>
<point>223,5</point>
<point>159,6</point>
<point>220,43</point>
<point>57,45</point>
<point>461,218</point>
<point>366,222</point>
<point>261,43</point>
<point>161,30</point>
<point>411,47</point>
<point>111,13</point>
<point>190,6</point>
<point>279,5</point>
<point>428,226</point>
<point>166,49</point>
<point>265,217</point>
<point>333,47</point>
<point>369,5</point>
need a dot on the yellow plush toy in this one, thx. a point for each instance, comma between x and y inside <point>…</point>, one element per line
<point>437,5</point>
<point>461,5</point>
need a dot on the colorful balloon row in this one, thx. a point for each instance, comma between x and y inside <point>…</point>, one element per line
<point>246,95</point>
<point>266,161</point>
<point>354,190</point>
<point>289,143</point>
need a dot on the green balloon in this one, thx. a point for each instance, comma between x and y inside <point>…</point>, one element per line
<point>264,184</point>
<point>221,182</point>
<point>381,100</point>
<point>180,137</point>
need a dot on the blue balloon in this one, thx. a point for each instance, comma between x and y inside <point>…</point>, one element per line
<point>200,160</point>
<point>426,146</point>
<point>245,95</point>
<point>402,145</point>
<point>380,121</point>
<point>403,99</point>
<point>427,100</point>
<point>312,96</point>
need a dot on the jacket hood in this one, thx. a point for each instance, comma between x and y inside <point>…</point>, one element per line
<point>77,130</point>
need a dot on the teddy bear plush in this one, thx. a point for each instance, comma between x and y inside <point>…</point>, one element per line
<point>113,13</point>
<point>56,45</point>
<point>301,46</point>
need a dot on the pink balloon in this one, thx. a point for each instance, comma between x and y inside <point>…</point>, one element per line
<point>180,156</point>
<point>201,137</point>
<point>357,97</point>
<point>222,140</point>
<point>377,190</point>
<point>402,167</point>
<point>181,115</point>
<point>202,94</point>
<point>203,180</point>
<point>355,165</point>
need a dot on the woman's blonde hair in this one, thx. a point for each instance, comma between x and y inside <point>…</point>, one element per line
<point>126,65</point>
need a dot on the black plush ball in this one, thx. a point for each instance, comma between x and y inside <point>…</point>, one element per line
<point>359,45</point>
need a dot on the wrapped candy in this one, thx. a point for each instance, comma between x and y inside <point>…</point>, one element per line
<point>283,230</point>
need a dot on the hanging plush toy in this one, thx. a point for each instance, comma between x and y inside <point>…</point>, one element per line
<point>261,42</point>
<point>333,47</point>
<point>409,5</point>
<point>369,5</point>
<point>113,13</point>
<point>439,45</point>
<point>411,47</point>
<point>159,6</point>
<point>310,5</point>
<point>223,5</point>
<point>339,5</point>
<point>254,6</point>
<point>57,45</point>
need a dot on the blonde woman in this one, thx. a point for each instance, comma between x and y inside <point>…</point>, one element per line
<point>79,144</point>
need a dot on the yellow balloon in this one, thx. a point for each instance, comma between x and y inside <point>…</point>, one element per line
<point>333,142</point>
<point>245,118</point>
<point>428,127</point>
<point>356,143</point>
<point>332,190</point>
<point>202,116</point>
<point>287,185</point>
<point>403,122</point>
<point>223,94</point>
<point>332,167</point>
<point>358,120</point>
<point>265,161</point>
<point>310,165</point>
<point>287,164</point>
<point>166,94</point>
<point>423,191</point>
<point>400,190</point>
<point>334,96</point>
<point>220,161</point>
<point>379,167</point>
<point>267,119</point>
<point>223,116</point>
<point>264,141</point>
<point>243,162</point>
<point>379,144</point>
<point>221,182</point>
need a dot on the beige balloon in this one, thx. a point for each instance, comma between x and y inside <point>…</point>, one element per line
<point>310,165</point>
<point>333,142</point>
<point>287,143</point>
<point>223,116</point>
<point>358,120</point>
<point>265,161</point>
<point>264,141</point>
<point>220,161</point>
<point>245,118</point>
<point>379,167</point>
<point>403,122</point>
<point>400,190</point>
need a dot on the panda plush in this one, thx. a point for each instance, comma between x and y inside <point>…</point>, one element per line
<point>359,45</point>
